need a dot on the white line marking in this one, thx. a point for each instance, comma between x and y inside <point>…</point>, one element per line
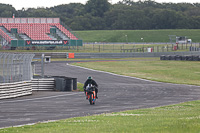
<point>30,124</point>
<point>41,98</point>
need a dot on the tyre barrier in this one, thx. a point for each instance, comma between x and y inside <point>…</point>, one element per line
<point>63,83</point>
<point>179,57</point>
<point>17,89</point>
<point>54,83</point>
<point>194,49</point>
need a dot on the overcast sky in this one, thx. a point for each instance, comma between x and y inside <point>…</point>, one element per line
<point>19,4</point>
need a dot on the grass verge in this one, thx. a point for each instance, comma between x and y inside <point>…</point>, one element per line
<point>136,35</point>
<point>80,86</point>
<point>180,72</point>
<point>182,118</point>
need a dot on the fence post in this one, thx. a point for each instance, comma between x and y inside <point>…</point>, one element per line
<point>42,65</point>
<point>99,48</point>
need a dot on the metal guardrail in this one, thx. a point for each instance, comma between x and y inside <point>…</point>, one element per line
<point>40,84</point>
<point>117,55</point>
<point>12,90</point>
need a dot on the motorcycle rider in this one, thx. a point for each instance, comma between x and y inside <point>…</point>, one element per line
<point>91,81</point>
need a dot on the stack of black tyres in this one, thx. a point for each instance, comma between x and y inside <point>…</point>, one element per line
<point>180,57</point>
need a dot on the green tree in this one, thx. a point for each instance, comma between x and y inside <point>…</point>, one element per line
<point>126,14</point>
<point>97,7</point>
<point>7,10</point>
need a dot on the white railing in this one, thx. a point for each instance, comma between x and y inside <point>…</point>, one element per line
<point>12,90</point>
<point>42,84</point>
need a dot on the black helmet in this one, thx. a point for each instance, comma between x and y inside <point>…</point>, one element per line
<point>89,77</point>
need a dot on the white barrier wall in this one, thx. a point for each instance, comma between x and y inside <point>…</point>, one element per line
<point>43,84</point>
<point>12,90</point>
<point>17,89</point>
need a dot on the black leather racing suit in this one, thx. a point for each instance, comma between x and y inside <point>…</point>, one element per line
<point>91,81</point>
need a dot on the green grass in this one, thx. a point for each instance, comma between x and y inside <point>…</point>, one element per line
<point>180,118</point>
<point>136,35</point>
<point>180,72</point>
<point>80,86</point>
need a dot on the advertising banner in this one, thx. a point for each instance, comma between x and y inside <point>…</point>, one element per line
<point>56,20</point>
<point>36,20</point>
<point>47,42</point>
<point>10,20</point>
<point>30,20</point>
<point>17,20</point>
<point>4,20</point>
<point>43,20</point>
<point>23,20</point>
<point>49,20</point>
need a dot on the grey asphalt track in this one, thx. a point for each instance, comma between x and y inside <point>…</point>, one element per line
<point>116,93</point>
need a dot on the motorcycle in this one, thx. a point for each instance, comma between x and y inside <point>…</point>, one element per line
<point>91,94</point>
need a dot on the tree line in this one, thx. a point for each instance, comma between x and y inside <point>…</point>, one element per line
<point>125,15</point>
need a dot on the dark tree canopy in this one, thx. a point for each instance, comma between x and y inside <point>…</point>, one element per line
<point>97,7</point>
<point>125,15</point>
<point>6,10</point>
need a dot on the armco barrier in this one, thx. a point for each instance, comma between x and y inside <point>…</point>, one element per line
<point>115,55</point>
<point>132,55</point>
<point>12,90</point>
<point>40,84</point>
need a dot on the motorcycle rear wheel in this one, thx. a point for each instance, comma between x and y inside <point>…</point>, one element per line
<point>91,99</point>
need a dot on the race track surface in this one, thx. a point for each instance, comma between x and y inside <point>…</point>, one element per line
<point>116,93</point>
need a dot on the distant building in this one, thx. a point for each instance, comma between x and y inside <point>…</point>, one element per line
<point>182,40</point>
